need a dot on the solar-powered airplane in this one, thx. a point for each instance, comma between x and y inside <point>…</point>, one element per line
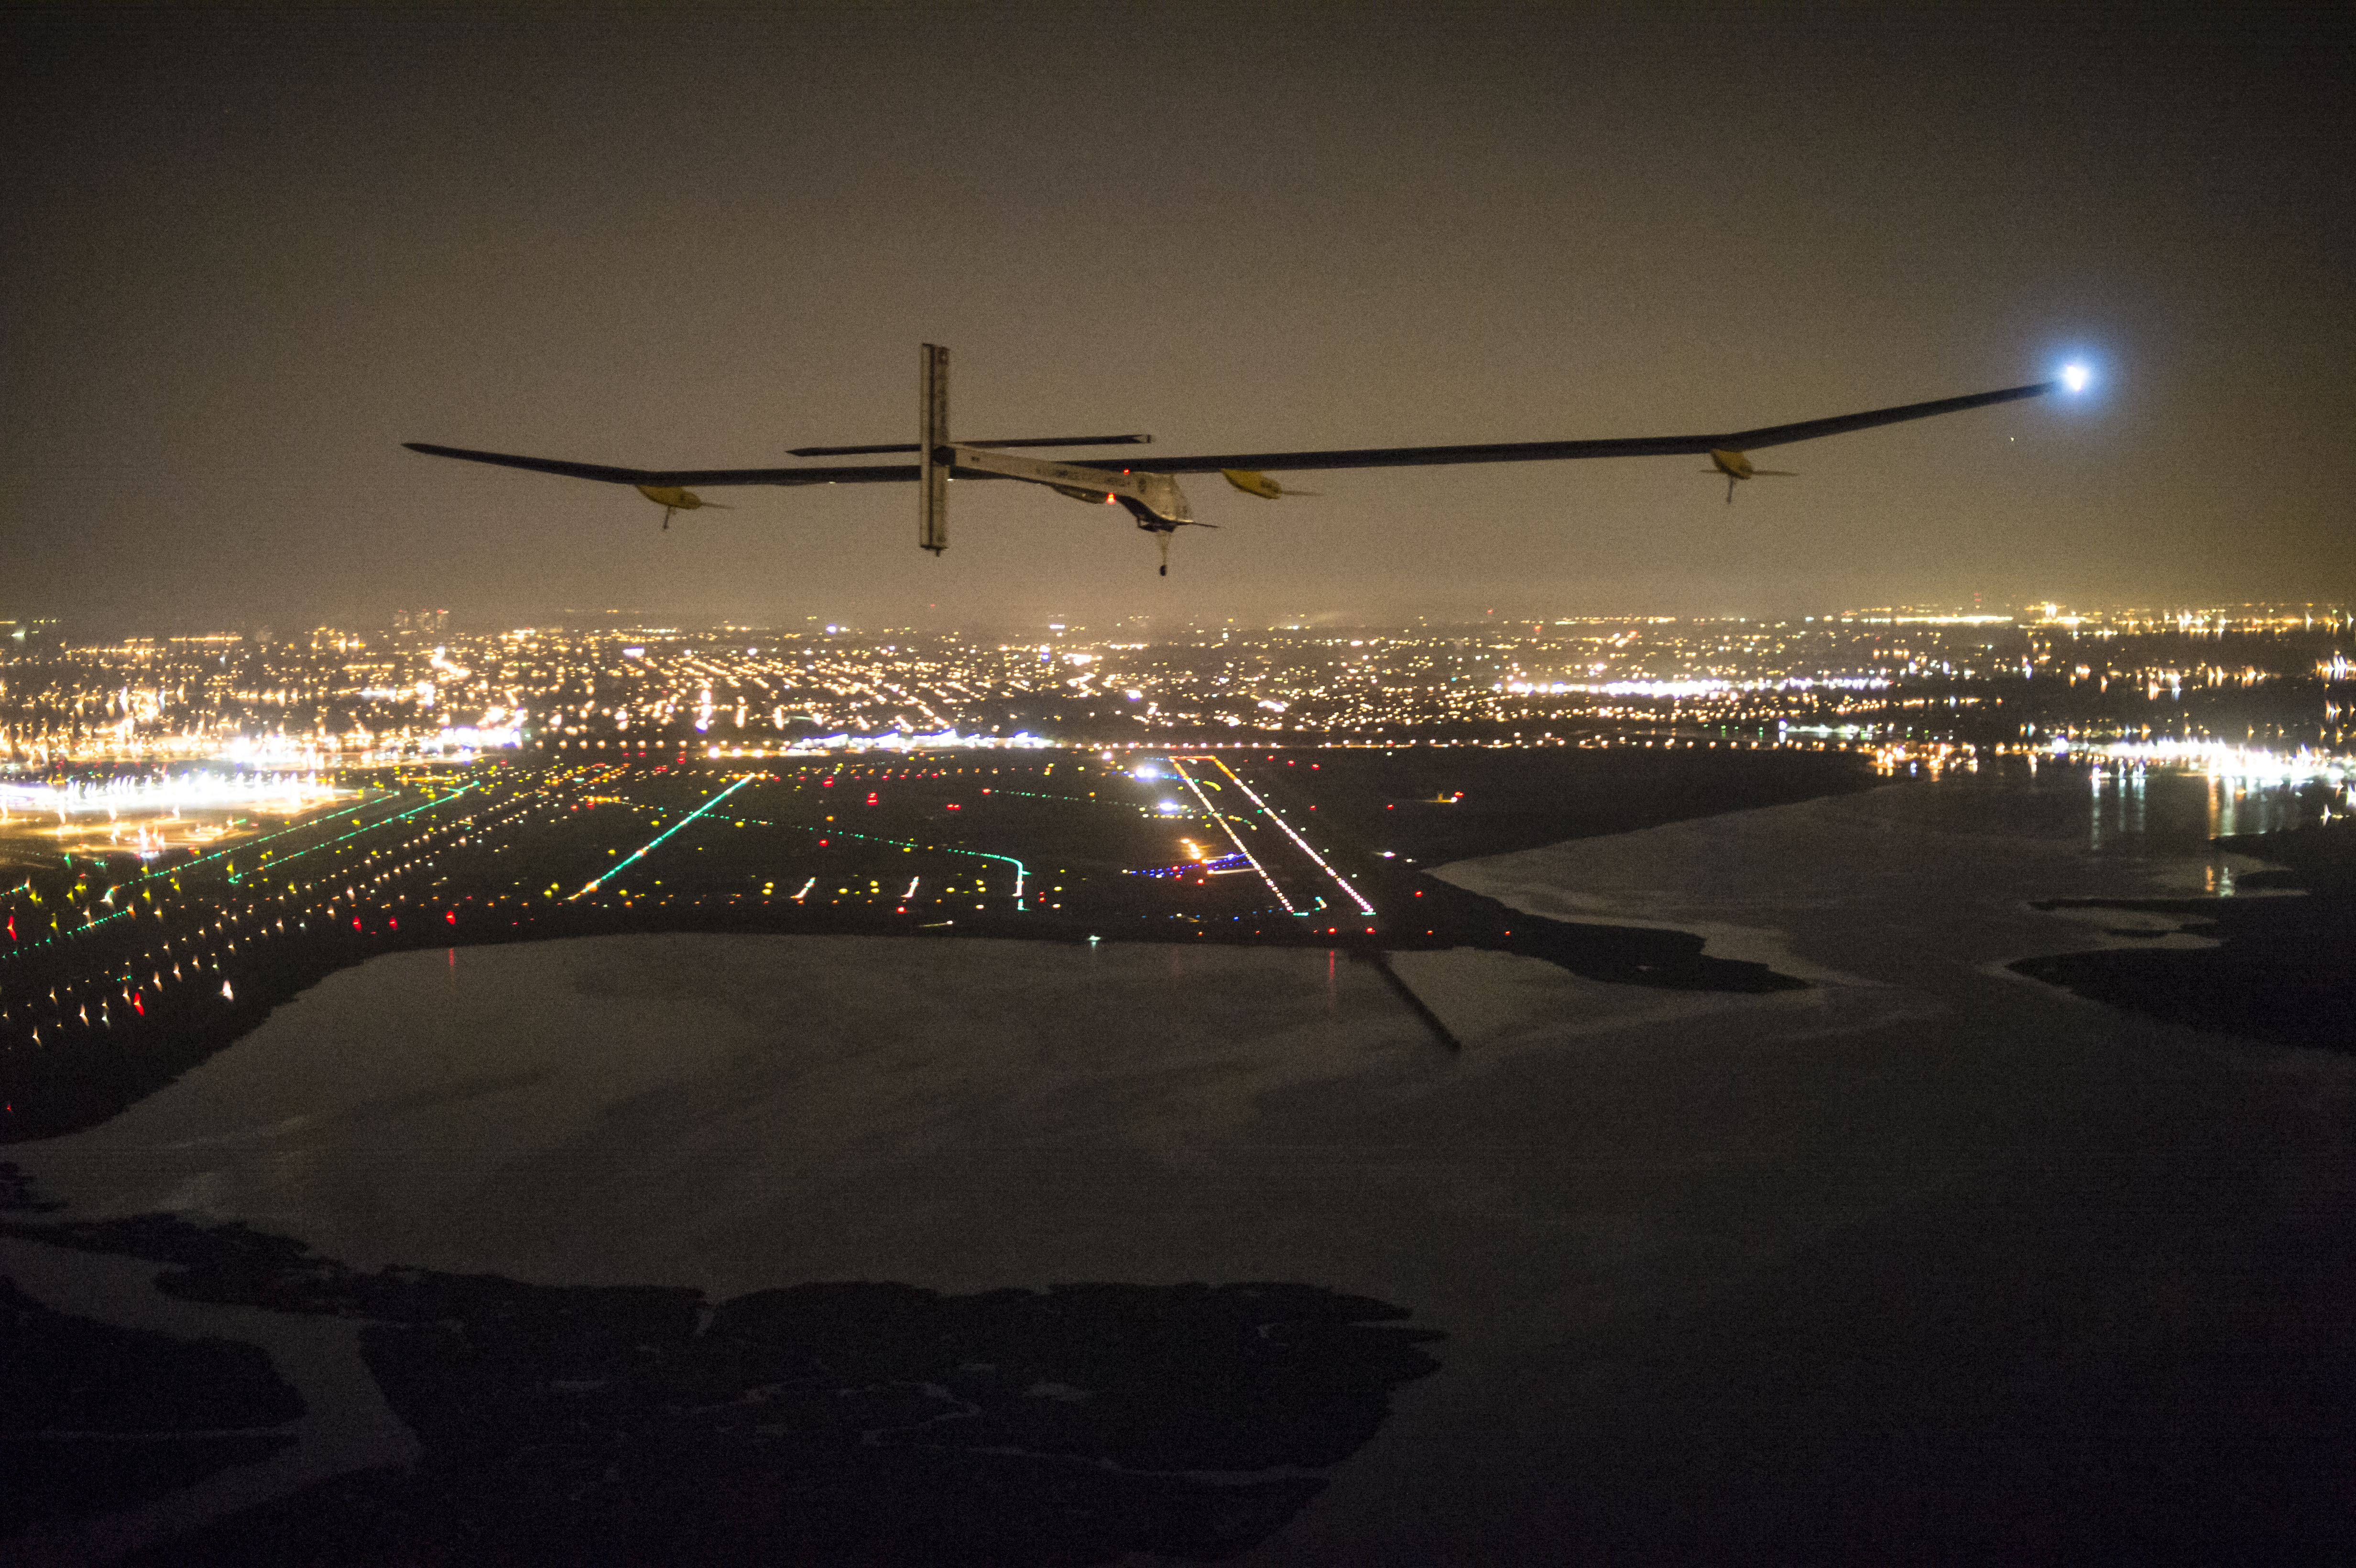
<point>1153,498</point>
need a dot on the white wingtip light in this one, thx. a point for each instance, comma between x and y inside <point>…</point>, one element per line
<point>2076,376</point>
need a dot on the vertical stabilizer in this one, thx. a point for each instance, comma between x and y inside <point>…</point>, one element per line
<point>934,458</point>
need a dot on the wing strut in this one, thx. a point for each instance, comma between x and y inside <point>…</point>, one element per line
<point>934,456</point>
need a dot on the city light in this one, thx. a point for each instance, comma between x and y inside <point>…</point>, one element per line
<point>337,699</point>
<point>369,813</point>
<point>278,794</point>
<point>2244,764</point>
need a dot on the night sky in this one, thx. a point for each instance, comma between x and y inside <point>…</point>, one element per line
<point>248,252</point>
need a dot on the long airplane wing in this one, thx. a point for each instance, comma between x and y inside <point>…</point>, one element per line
<point>1354,457</point>
<point>1543,450</point>
<point>870,473</point>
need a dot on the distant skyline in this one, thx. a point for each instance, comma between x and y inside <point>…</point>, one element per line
<point>251,250</point>
<point>2199,617</point>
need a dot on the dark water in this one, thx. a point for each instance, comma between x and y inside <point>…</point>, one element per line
<point>2137,812</point>
<point>2280,972</point>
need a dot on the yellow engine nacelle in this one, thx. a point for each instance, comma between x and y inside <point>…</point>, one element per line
<point>1252,481</point>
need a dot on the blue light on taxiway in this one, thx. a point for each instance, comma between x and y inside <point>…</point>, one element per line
<point>2076,378</point>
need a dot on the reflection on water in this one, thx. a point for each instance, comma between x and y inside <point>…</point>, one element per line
<point>2118,804</point>
<point>2215,806</point>
<point>2139,808</point>
<point>2241,790</point>
<point>2247,806</point>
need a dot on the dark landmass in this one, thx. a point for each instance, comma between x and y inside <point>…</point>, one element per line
<point>2284,971</point>
<point>822,1424</point>
<point>1524,798</point>
<point>473,868</point>
<point>96,1418</point>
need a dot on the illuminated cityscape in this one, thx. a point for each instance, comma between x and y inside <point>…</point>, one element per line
<point>2265,678</point>
<point>192,829</point>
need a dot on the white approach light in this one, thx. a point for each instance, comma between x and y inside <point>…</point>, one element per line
<point>2075,376</point>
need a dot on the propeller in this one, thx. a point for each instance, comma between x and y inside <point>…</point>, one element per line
<point>1735,466</point>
